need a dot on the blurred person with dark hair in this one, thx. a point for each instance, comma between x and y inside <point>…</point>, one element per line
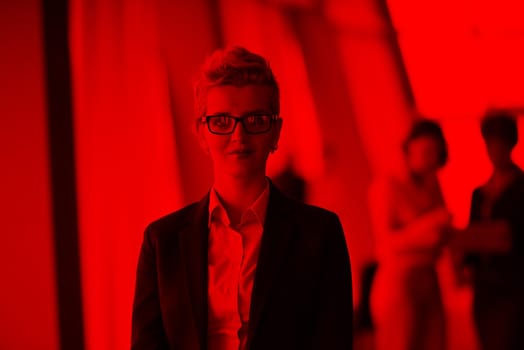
<point>246,267</point>
<point>410,221</point>
<point>494,240</point>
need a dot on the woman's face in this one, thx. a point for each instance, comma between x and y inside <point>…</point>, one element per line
<point>499,152</point>
<point>239,154</point>
<point>423,155</point>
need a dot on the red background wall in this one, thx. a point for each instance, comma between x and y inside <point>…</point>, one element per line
<point>351,73</point>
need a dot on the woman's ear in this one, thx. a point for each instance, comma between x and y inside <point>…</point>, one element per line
<point>198,131</point>
<point>276,133</point>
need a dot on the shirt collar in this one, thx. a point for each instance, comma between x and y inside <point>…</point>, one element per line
<point>258,208</point>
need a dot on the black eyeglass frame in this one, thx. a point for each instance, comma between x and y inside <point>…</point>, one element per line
<point>241,119</point>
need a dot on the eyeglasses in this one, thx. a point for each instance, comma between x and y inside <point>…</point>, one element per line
<point>253,123</point>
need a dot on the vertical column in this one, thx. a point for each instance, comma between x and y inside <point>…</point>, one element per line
<point>28,302</point>
<point>125,152</point>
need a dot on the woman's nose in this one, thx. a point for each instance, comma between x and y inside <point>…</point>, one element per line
<point>239,133</point>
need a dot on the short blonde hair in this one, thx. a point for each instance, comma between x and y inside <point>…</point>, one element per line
<point>234,66</point>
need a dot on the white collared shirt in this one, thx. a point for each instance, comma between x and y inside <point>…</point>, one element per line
<point>232,259</point>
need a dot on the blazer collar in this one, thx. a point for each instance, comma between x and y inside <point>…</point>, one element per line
<point>194,241</point>
<point>278,230</point>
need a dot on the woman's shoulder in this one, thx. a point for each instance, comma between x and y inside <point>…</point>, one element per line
<point>316,224</point>
<point>174,221</point>
<point>298,208</point>
<point>175,217</point>
<point>314,212</point>
<point>308,215</point>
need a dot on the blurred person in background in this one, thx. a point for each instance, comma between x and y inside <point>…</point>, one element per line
<point>493,243</point>
<point>410,222</point>
<point>246,267</point>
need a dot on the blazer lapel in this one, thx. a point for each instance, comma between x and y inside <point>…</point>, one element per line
<point>278,229</point>
<point>194,249</point>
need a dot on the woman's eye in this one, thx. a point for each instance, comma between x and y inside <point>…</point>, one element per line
<point>222,121</point>
<point>257,119</point>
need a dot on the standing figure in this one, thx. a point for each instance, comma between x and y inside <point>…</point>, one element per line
<point>410,220</point>
<point>246,267</point>
<point>493,243</point>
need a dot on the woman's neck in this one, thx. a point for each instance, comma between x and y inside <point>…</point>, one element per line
<point>238,193</point>
<point>504,170</point>
<point>423,180</point>
<point>502,177</point>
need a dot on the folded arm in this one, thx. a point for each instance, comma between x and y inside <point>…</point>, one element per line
<point>488,237</point>
<point>423,233</point>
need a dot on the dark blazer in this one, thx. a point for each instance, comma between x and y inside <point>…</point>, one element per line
<point>498,287</point>
<point>302,296</point>
<point>501,271</point>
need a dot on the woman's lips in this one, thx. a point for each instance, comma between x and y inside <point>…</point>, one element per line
<point>241,152</point>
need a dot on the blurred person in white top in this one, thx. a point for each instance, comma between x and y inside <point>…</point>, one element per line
<point>410,221</point>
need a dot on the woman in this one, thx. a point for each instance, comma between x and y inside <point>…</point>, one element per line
<point>494,243</point>
<point>410,219</point>
<point>246,267</point>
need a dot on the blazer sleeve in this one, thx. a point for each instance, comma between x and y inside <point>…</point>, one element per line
<point>472,259</point>
<point>476,202</point>
<point>147,331</point>
<point>333,328</point>
<point>515,218</point>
